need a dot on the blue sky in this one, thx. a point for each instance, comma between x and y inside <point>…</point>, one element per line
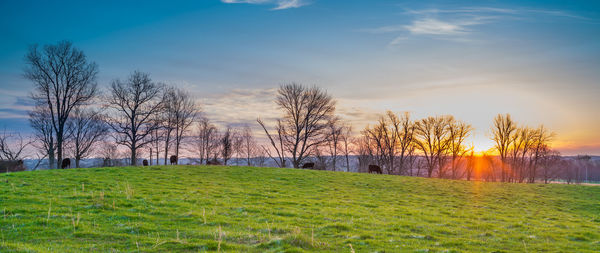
<point>537,60</point>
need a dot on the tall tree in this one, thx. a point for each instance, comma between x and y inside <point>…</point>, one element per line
<point>334,133</point>
<point>186,111</point>
<point>133,102</point>
<point>432,139</point>
<point>346,147</point>
<point>205,139</point>
<point>87,128</point>
<point>502,132</point>
<point>458,131</point>
<point>306,112</point>
<point>63,79</point>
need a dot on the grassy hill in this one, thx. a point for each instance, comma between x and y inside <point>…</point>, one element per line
<point>191,208</point>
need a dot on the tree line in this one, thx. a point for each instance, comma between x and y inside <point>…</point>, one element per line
<point>73,117</point>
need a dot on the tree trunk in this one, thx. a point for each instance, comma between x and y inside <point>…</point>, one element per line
<point>59,151</point>
<point>77,159</point>
<point>133,157</point>
<point>51,158</point>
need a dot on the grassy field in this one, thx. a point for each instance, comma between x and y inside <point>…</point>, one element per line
<point>191,208</point>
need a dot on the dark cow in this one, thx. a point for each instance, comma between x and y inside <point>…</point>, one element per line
<point>213,162</point>
<point>173,160</point>
<point>66,163</point>
<point>308,165</point>
<point>375,169</point>
<point>11,166</point>
<point>106,162</point>
<point>145,162</point>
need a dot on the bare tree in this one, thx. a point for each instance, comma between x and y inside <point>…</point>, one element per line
<point>87,128</point>
<point>306,112</point>
<point>502,132</point>
<point>432,139</point>
<point>41,122</point>
<point>227,142</point>
<point>458,131</point>
<point>346,145</point>
<point>180,113</point>
<point>133,103</point>
<point>206,139</point>
<point>277,144</point>
<point>393,137</point>
<point>248,144</point>
<point>63,79</point>
<point>186,111</point>
<point>12,146</point>
<point>540,148</point>
<point>334,133</point>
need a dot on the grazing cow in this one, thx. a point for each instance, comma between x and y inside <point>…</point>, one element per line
<point>375,169</point>
<point>308,165</point>
<point>106,162</point>
<point>11,166</point>
<point>213,162</point>
<point>66,163</point>
<point>173,160</point>
<point>145,162</point>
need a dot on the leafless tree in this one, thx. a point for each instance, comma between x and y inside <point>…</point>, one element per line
<point>206,139</point>
<point>346,144</point>
<point>306,112</point>
<point>43,133</point>
<point>248,144</point>
<point>502,133</point>
<point>12,146</point>
<point>63,79</point>
<point>334,132</point>
<point>277,144</point>
<point>458,131</point>
<point>551,163</point>
<point>540,148</point>
<point>227,144</point>
<point>393,137</point>
<point>470,165</point>
<point>133,102</point>
<point>432,138</point>
<point>180,111</point>
<point>87,128</point>
<point>110,153</point>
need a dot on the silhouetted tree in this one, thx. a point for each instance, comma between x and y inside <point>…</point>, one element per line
<point>458,131</point>
<point>12,146</point>
<point>432,138</point>
<point>227,142</point>
<point>502,132</point>
<point>181,111</point>
<point>133,102</point>
<point>41,122</point>
<point>63,79</point>
<point>306,112</point>
<point>87,128</point>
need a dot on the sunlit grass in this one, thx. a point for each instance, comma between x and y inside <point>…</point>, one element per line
<point>185,208</point>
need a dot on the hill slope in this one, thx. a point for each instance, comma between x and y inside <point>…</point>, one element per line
<point>183,208</point>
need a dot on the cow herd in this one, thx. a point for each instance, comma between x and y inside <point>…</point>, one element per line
<point>13,166</point>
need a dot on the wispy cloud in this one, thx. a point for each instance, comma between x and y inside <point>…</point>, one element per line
<point>457,24</point>
<point>280,4</point>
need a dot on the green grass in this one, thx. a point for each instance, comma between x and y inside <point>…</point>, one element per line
<point>183,208</point>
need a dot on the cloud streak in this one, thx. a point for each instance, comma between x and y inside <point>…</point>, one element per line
<point>280,4</point>
<point>457,24</point>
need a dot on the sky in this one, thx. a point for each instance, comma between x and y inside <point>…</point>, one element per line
<point>537,60</point>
